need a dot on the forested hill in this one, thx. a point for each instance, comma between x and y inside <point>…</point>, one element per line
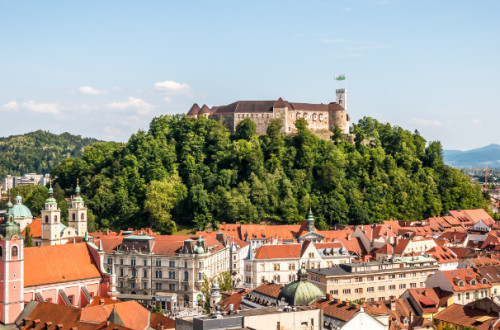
<point>194,172</point>
<point>38,151</point>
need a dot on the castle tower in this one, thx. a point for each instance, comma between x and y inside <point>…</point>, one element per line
<point>341,97</point>
<point>280,111</point>
<point>51,221</point>
<point>78,213</point>
<point>11,269</point>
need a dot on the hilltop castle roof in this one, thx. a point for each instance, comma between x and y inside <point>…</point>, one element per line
<point>267,106</point>
<point>195,109</point>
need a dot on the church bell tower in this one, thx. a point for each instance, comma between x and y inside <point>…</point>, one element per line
<point>11,268</point>
<point>51,221</point>
<point>78,213</point>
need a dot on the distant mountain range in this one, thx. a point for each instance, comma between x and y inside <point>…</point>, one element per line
<point>478,158</point>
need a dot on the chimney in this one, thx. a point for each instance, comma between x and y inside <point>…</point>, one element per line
<point>348,237</point>
<point>221,237</point>
<point>48,325</point>
<point>36,322</point>
<point>393,304</point>
<point>60,326</point>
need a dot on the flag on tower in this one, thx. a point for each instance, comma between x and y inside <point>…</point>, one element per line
<point>340,77</point>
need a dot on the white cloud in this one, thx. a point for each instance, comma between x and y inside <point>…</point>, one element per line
<point>12,105</point>
<point>51,108</point>
<point>173,87</point>
<point>476,121</point>
<point>91,90</point>
<point>111,132</point>
<point>167,99</point>
<point>142,107</point>
<point>332,41</point>
<point>426,122</point>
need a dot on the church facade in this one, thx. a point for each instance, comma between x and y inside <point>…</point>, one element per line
<point>322,118</point>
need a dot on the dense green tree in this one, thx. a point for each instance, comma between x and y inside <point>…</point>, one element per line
<point>28,239</point>
<point>193,172</point>
<point>246,129</point>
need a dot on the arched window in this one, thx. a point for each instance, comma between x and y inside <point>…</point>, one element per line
<point>46,219</point>
<point>55,218</point>
<point>74,217</point>
<point>1,252</point>
<point>15,251</point>
<point>82,216</point>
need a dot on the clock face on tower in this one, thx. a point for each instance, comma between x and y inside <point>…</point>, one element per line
<point>46,227</point>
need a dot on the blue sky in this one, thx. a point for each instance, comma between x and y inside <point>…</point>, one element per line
<point>106,68</point>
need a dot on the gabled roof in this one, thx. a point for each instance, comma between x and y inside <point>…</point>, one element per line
<point>269,289</point>
<point>234,299</point>
<point>337,309</point>
<point>430,299</point>
<point>58,263</point>
<point>490,273</point>
<point>465,276</point>
<point>467,316</point>
<point>443,254</point>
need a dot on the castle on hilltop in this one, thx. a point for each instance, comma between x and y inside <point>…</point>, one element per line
<point>322,118</point>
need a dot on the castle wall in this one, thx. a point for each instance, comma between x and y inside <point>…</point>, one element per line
<point>339,117</point>
<point>261,120</point>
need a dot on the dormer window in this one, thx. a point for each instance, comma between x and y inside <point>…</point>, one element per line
<point>461,284</point>
<point>483,281</point>
<point>473,282</point>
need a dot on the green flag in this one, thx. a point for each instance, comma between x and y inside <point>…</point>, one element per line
<point>340,77</point>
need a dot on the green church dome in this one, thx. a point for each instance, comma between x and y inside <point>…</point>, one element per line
<point>301,292</point>
<point>19,211</point>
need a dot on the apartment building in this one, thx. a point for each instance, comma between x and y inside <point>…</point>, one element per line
<point>372,281</point>
<point>279,263</point>
<point>148,265</point>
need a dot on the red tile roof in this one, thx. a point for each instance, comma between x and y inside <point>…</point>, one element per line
<point>467,317</point>
<point>234,299</point>
<point>283,251</point>
<point>465,276</point>
<point>443,254</point>
<point>337,309</point>
<point>269,289</point>
<point>58,263</point>
<point>35,227</point>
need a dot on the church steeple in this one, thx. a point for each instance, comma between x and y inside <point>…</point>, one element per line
<point>78,212</point>
<point>310,221</point>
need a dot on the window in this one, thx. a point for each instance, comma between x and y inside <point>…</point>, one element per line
<point>392,287</point>
<point>392,276</point>
<point>358,279</point>
<point>1,252</point>
<point>413,285</point>
<point>144,285</point>
<point>110,260</point>
<point>370,289</point>
<point>71,299</point>
<point>186,276</point>
<point>381,288</point>
<point>171,263</point>
<point>158,286</point>
<point>121,261</point>
<point>276,266</point>
<point>121,271</point>
<point>15,251</point>
<point>74,217</point>
<point>55,218</point>
<point>186,288</point>
<point>467,295</point>
<point>402,286</point>
<point>132,262</point>
<point>171,287</point>
<point>158,262</point>
<point>381,298</point>
<point>145,273</point>
<point>82,216</point>
<point>402,275</point>
<point>311,254</point>
<point>200,276</point>
<point>291,266</point>
<point>108,270</point>
<point>185,264</point>
<point>121,284</point>
<point>134,273</point>
<point>358,290</point>
<point>369,278</point>
<point>46,219</point>
<point>201,264</point>
<point>158,274</point>
<point>171,275</point>
<point>132,285</point>
<point>144,262</point>
<point>346,291</point>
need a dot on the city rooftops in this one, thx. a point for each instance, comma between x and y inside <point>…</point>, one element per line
<point>354,268</point>
<point>138,238</point>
